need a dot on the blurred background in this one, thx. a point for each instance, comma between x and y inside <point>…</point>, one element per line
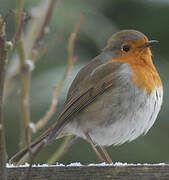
<point>103,18</point>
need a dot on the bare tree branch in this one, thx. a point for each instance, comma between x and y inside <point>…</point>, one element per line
<point>39,38</point>
<point>3,58</point>
<point>17,35</point>
<point>41,123</point>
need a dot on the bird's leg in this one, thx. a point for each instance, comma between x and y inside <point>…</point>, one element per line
<point>106,154</point>
<point>94,147</point>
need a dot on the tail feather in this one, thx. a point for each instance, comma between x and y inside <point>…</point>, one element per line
<point>22,155</point>
<point>46,138</point>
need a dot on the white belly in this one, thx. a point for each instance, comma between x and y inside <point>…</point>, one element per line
<point>134,124</point>
<point>134,117</point>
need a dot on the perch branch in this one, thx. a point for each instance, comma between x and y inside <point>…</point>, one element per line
<point>100,172</point>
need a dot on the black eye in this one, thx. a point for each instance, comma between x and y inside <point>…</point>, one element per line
<point>126,48</point>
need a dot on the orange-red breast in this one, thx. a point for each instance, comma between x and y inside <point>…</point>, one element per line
<point>113,99</point>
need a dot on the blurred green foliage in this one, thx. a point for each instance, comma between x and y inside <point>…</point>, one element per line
<point>103,18</point>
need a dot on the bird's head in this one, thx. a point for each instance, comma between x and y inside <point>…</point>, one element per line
<point>130,44</point>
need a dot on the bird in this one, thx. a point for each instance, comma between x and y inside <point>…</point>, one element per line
<point>114,99</point>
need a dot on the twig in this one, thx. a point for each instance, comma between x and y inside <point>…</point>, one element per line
<point>28,140</point>
<point>25,107</point>
<point>73,38</point>
<point>47,18</point>
<point>7,15</point>
<point>17,35</point>
<point>71,58</point>
<point>25,113</point>
<point>20,45</point>
<point>3,58</point>
<point>71,61</point>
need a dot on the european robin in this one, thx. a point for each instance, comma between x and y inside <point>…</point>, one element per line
<point>115,98</point>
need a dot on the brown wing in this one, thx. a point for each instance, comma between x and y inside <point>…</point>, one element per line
<point>84,90</point>
<point>87,77</point>
<point>81,78</point>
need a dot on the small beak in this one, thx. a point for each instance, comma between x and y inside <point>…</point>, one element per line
<point>149,43</point>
